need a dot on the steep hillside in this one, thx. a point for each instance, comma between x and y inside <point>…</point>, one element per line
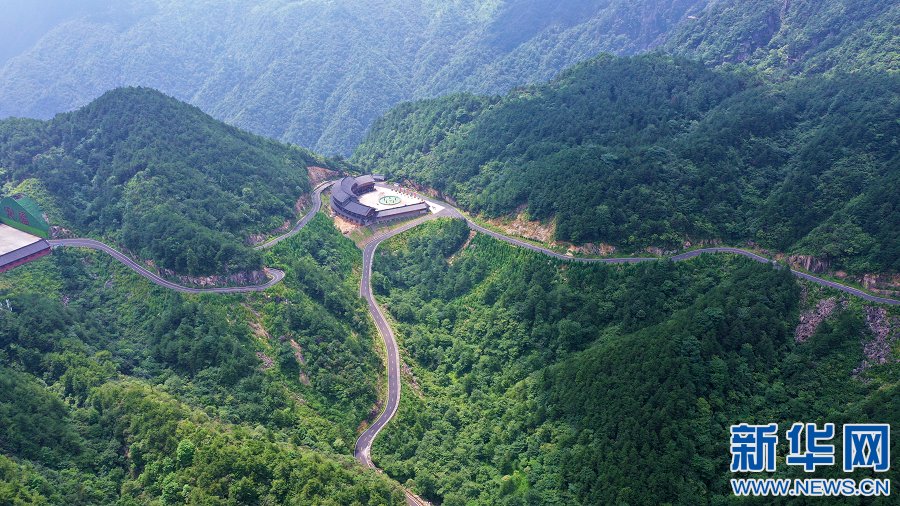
<point>534,381</point>
<point>655,151</point>
<point>160,177</point>
<point>784,37</point>
<point>116,391</point>
<point>318,72</point>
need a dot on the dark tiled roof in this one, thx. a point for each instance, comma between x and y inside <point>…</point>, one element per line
<point>23,252</point>
<point>367,179</point>
<point>343,191</point>
<point>357,208</point>
<point>347,185</point>
<point>346,193</point>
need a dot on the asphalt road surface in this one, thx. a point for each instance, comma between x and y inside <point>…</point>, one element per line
<point>316,205</point>
<point>275,275</point>
<point>363,448</point>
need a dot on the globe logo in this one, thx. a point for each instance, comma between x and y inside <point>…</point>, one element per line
<point>389,200</point>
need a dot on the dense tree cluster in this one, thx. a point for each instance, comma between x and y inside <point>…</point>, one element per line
<point>161,177</point>
<point>654,151</point>
<point>797,37</point>
<point>556,383</point>
<point>114,391</point>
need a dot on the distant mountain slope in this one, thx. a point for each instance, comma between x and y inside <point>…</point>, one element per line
<point>653,151</point>
<point>793,36</point>
<point>161,177</point>
<point>318,72</point>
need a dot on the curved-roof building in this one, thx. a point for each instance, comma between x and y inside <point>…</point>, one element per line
<point>346,195</point>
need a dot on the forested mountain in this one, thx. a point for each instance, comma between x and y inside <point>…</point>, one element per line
<point>319,72</point>
<point>655,150</point>
<point>114,391</point>
<point>546,382</point>
<point>785,37</point>
<point>527,379</point>
<point>160,177</point>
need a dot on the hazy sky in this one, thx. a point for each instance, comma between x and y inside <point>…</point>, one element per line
<point>24,22</point>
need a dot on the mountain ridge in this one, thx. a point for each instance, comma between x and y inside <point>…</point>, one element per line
<point>642,152</point>
<point>161,177</point>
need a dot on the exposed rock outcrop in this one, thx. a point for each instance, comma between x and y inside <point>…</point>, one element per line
<point>601,249</point>
<point>57,232</point>
<point>520,225</point>
<point>809,263</point>
<point>701,243</point>
<point>878,350</point>
<point>810,320</point>
<point>238,279</point>
<point>267,362</point>
<point>431,192</point>
<point>884,284</point>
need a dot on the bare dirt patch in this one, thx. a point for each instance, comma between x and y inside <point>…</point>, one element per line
<point>346,227</point>
<point>267,362</point>
<point>521,226</point>
<point>298,355</point>
<point>258,330</point>
<point>319,174</point>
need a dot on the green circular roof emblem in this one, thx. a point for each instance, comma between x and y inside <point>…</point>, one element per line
<point>389,200</point>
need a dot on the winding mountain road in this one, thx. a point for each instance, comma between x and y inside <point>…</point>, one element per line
<point>316,205</point>
<point>456,213</point>
<point>362,451</point>
<point>683,256</point>
<point>275,275</point>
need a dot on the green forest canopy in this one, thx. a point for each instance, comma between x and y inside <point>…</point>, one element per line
<point>655,151</point>
<point>320,72</point>
<point>160,177</point>
<point>546,382</point>
<point>116,391</point>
